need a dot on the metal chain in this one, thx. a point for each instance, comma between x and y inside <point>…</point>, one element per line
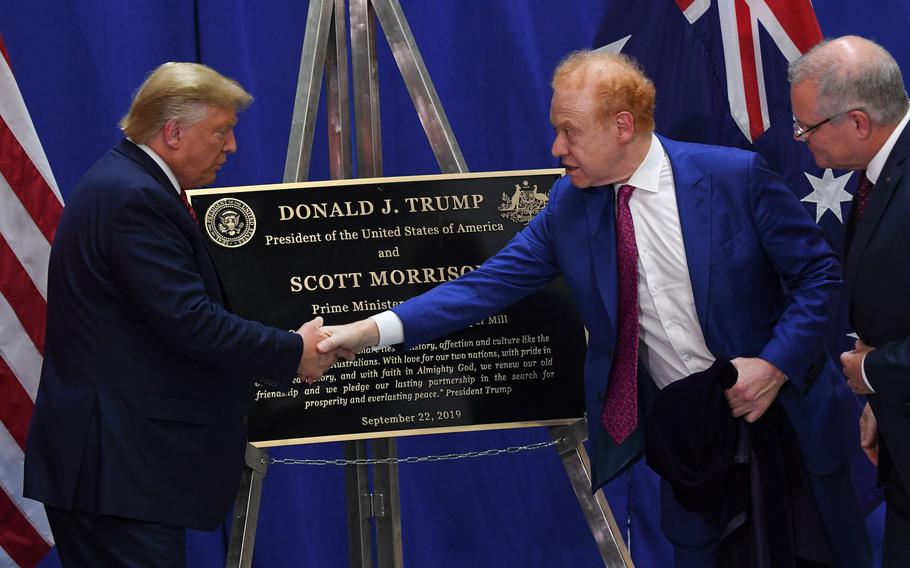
<point>415,459</point>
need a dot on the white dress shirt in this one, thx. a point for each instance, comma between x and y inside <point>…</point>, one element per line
<point>877,163</point>
<point>671,342</point>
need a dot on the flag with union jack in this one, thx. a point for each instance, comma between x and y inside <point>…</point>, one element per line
<point>720,69</point>
<point>30,207</point>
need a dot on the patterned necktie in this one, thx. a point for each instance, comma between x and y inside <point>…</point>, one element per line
<point>863,192</point>
<point>186,203</point>
<point>620,411</point>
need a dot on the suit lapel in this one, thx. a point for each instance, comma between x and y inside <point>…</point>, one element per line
<point>600,216</point>
<point>889,179</point>
<point>693,192</point>
<point>138,155</point>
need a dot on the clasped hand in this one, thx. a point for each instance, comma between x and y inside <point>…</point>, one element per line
<point>852,362</point>
<point>315,362</point>
<point>353,337</point>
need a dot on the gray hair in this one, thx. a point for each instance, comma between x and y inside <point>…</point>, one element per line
<point>179,91</point>
<point>851,72</point>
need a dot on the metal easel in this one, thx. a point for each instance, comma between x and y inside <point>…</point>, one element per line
<point>325,49</point>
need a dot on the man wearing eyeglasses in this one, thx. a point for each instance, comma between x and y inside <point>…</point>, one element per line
<point>850,107</point>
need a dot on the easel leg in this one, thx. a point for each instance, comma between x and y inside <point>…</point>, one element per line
<point>420,86</point>
<point>595,507</point>
<point>306,98</point>
<point>246,509</point>
<point>388,517</point>
<point>365,76</point>
<point>382,504</point>
<point>338,115</point>
<point>357,489</point>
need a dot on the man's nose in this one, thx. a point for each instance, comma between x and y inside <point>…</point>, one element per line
<point>558,149</point>
<point>230,143</point>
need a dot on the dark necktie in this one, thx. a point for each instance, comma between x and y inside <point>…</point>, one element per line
<point>189,208</point>
<point>863,193</point>
<point>620,411</point>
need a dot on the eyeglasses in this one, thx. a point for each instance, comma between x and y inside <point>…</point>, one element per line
<point>800,131</point>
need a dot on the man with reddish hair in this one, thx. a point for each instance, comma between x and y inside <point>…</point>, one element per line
<point>678,255</point>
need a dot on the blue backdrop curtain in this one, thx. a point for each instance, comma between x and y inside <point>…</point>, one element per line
<point>77,64</point>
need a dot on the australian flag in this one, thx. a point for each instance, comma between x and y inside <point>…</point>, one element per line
<point>720,69</point>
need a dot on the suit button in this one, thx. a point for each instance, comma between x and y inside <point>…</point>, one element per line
<point>610,353</point>
<point>600,396</point>
<point>244,419</point>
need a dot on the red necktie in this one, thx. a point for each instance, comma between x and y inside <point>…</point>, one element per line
<point>620,411</point>
<point>186,203</point>
<point>863,193</point>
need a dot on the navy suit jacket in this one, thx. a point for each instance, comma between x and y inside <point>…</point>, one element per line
<point>141,408</point>
<point>764,279</point>
<point>878,280</point>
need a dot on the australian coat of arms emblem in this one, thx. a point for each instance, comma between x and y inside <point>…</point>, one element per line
<point>522,203</point>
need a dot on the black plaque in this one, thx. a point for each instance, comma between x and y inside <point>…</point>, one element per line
<point>345,250</point>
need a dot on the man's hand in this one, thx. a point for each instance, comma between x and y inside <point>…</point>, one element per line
<point>868,434</point>
<point>755,388</point>
<point>353,337</point>
<point>314,363</point>
<point>852,362</point>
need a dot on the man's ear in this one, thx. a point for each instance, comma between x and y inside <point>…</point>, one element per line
<point>625,126</point>
<point>173,132</point>
<point>861,123</point>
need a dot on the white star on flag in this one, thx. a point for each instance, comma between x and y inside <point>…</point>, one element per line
<point>828,193</point>
<point>614,47</point>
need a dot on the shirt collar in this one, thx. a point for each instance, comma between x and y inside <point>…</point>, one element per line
<point>647,176</point>
<point>877,164</point>
<point>161,164</point>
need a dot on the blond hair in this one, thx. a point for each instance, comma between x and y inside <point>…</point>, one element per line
<point>618,82</point>
<point>179,91</point>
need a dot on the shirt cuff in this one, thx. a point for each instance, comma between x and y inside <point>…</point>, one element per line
<point>391,330</point>
<point>862,367</point>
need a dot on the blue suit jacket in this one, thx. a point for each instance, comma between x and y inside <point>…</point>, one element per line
<point>764,279</point>
<point>141,407</point>
<point>878,278</point>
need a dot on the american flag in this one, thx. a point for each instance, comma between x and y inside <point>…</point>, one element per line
<point>30,207</point>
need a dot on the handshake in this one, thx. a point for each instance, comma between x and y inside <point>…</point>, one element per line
<point>323,346</point>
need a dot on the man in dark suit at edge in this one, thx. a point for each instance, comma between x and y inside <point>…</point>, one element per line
<point>725,263</point>
<point>850,107</point>
<point>139,425</point>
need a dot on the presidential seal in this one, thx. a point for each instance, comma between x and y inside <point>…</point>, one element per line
<point>522,203</point>
<point>230,222</point>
